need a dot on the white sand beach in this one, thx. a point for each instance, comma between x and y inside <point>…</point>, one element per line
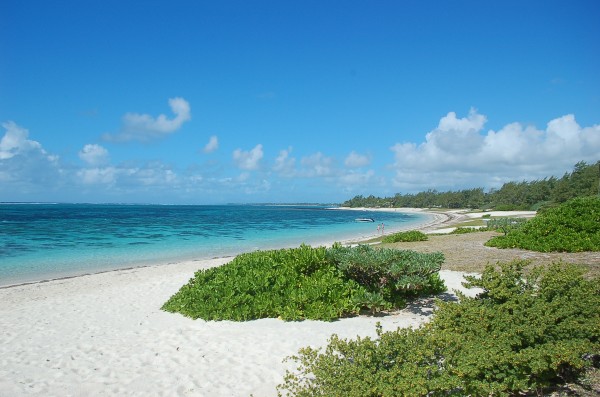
<point>105,335</point>
<point>441,221</point>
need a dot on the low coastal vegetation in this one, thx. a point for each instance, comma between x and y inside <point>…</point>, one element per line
<point>527,333</point>
<point>505,224</point>
<point>502,224</point>
<point>411,235</point>
<point>521,335</point>
<point>533,195</point>
<point>465,230</point>
<point>571,227</point>
<point>308,283</point>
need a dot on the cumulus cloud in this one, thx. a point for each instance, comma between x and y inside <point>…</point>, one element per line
<point>153,174</point>
<point>130,176</point>
<point>357,178</point>
<point>92,176</point>
<point>249,160</point>
<point>460,153</point>
<point>355,160</point>
<point>284,164</point>
<point>144,127</point>
<point>317,165</point>
<point>15,142</point>
<point>94,155</point>
<point>212,145</point>
<point>25,162</point>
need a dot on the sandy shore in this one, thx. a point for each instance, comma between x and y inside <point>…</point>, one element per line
<point>105,335</point>
<point>436,220</point>
<point>441,221</point>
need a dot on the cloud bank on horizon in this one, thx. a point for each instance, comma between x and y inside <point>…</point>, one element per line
<point>457,154</point>
<point>459,149</point>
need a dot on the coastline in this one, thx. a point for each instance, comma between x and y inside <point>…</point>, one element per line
<point>104,334</point>
<point>438,219</point>
<point>439,222</point>
<point>169,262</point>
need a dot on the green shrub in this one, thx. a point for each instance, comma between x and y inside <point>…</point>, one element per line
<point>411,235</point>
<point>572,227</point>
<point>292,284</point>
<point>511,207</point>
<point>505,225</point>
<point>466,230</point>
<point>302,283</point>
<point>522,334</point>
<point>391,274</point>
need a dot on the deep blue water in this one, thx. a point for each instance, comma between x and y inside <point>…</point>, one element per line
<point>42,241</point>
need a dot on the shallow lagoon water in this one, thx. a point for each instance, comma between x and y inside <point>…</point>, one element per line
<point>45,241</point>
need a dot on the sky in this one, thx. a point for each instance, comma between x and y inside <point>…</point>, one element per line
<point>213,102</point>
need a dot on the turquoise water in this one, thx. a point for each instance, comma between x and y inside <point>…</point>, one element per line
<point>45,241</point>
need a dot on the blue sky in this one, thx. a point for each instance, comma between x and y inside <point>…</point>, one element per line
<point>307,101</point>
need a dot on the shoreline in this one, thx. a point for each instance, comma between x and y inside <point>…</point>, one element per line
<point>104,334</point>
<point>326,243</point>
<point>439,222</point>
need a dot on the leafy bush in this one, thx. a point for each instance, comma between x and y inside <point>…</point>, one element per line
<point>505,225</point>
<point>572,227</point>
<point>523,333</point>
<point>466,230</point>
<point>511,207</point>
<point>296,284</point>
<point>290,283</point>
<point>390,274</point>
<point>411,235</point>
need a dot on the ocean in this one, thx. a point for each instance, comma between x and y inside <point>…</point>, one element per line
<point>48,241</point>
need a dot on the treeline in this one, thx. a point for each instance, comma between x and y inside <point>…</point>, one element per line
<point>583,181</point>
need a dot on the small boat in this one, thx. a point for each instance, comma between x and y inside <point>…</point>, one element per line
<point>364,220</point>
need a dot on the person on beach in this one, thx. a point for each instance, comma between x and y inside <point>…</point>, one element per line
<point>382,227</point>
<point>378,228</point>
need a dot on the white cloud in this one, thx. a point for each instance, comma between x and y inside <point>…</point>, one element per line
<point>458,153</point>
<point>261,186</point>
<point>317,165</point>
<point>126,177</point>
<point>24,164</point>
<point>144,127</point>
<point>248,160</point>
<point>284,164</point>
<point>212,145</point>
<point>92,176</point>
<point>355,160</point>
<point>243,177</point>
<point>15,142</point>
<point>94,155</point>
<point>357,178</point>
<point>154,174</point>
